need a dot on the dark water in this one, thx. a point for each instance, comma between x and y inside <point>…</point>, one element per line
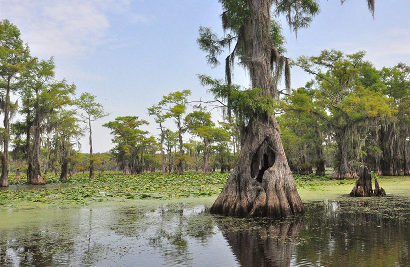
<point>347,232</point>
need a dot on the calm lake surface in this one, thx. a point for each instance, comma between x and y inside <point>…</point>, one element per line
<point>341,232</point>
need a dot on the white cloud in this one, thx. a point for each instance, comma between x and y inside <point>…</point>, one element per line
<point>65,28</point>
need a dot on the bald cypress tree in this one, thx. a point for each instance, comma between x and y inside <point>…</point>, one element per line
<point>261,183</point>
<point>13,60</point>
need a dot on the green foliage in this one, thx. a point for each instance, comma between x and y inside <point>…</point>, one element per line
<point>277,37</point>
<point>235,14</point>
<point>92,109</point>
<point>79,190</point>
<point>131,143</point>
<point>299,13</point>
<point>348,97</point>
<point>13,55</point>
<point>175,103</point>
<point>246,103</point>
<point>345,89</point>
<point>199,123</point>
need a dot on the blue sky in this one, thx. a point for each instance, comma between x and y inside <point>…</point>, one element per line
<point>130,53</point>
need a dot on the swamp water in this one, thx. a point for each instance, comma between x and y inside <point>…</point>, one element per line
<point>341,232</point>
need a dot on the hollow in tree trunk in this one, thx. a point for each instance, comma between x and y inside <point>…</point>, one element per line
<point>261,183</point>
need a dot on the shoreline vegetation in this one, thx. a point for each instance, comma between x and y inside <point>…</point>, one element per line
<point>113,186</point>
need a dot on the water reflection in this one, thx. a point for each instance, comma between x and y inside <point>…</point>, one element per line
<point>370,232</point>
<point>257,243</point>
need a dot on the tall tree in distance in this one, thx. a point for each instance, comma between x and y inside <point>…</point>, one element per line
<point>13,59</point>
<point>394,132</point>
<point>175,106</point>
<point>131,143</point>
<point>200,124</point>
<point>159,117</point>
<point>42,96</point>
<point>261,183</point>
<point>92,111</point>
<point>67,131</point>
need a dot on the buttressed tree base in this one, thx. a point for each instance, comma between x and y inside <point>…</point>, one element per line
<point>261,184</point>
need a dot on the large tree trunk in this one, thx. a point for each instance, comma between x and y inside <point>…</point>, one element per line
<point>64,165</point>
<point>343,170</point>
<point>387,140</point>
<point>261,183</point>
<point>320,167</point>
<point>4,179</point>
<point>394,144</point>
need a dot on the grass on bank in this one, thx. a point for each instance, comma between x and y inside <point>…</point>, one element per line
<point>115,186</point>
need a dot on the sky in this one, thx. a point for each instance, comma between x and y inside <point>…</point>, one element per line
<point>129,53</point>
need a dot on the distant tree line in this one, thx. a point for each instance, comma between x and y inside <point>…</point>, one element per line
<point>50,119</point>
<point>349,114</point>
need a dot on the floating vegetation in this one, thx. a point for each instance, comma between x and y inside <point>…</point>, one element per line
<point>79,190</point>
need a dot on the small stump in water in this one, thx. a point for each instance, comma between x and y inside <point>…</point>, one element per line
<point>378,192</point>
<point>363,187</point>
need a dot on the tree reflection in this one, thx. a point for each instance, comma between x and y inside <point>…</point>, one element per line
<point>260,242</point>
<point>366,232</point>
<point>33,248</point>
<point>352,233</point>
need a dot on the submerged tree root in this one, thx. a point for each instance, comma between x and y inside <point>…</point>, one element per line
<point>363,187</point>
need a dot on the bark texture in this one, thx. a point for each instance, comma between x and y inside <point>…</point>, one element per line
<point>261,183</point>
<point>363,187</point>
<point>64,165</point>
<point>395,147</point>
<point>378,191</point>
